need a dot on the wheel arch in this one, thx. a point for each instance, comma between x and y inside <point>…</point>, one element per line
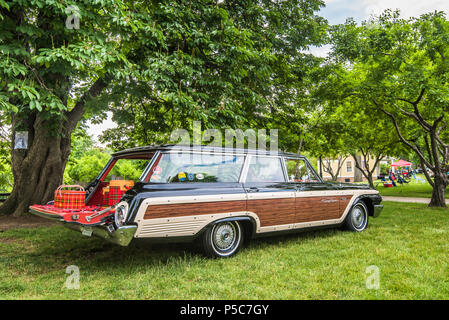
<point>248,224</point>
<point>368,203</point>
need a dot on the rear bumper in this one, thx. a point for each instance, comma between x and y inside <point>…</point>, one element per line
<point>377,210</point>
<point>121,236</point>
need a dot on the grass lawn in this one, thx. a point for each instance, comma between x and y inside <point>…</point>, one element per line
<point>408,243</point>
<point>412,189</point>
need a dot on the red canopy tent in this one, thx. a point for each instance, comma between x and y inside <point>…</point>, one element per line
<point>401,163</point>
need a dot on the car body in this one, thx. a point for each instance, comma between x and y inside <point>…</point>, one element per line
<point>218,196</point>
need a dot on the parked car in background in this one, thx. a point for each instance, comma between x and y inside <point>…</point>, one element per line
<point>217,196</point>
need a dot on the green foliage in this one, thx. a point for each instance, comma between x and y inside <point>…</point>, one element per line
<point>45,66</point>
<point>384,168</point>
<point>400,67</point>
<point>86,162</point>
<point>226,65</point>
<point>87,167</point>
<point>6,178</point>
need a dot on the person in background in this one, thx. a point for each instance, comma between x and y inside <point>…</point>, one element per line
<point>392,177</point>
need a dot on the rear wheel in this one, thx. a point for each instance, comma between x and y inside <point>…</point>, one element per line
<point>223,239</point>
<point>357,218</point>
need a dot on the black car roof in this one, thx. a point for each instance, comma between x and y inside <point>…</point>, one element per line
<point>177,147</point>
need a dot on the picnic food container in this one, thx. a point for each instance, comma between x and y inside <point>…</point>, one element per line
<point>124,185</point>
<point>70,197</point>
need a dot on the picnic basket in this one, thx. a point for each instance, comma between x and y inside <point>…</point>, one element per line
<point>70,197</point>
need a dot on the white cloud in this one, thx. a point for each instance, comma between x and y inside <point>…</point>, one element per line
<point>322,51</point>
<point>408,8</point>
<point>96,130</point>
<point>337,11</point>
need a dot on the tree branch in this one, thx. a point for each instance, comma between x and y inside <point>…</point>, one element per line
<point>77,112</point>
<point>406,142</point>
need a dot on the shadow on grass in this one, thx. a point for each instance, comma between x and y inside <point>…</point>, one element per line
<point>54,248</point>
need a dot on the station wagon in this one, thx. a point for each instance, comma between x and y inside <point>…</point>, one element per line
<point>216,196</point>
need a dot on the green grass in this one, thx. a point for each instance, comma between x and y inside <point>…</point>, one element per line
<point>412,189</point>
<point>408,243</point>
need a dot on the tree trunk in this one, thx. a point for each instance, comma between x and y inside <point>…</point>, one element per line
<point>39,169</point>
<point>358,175</point>
<point>321,167</point>
<point>439,191</point>
<point>369,177</point>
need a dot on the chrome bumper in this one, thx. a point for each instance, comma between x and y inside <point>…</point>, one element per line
<point>121,236</point>
<point>377,210</point>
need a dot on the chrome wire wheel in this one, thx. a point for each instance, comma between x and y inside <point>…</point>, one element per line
<point>359,217</point>
<point>224,236</point>
<point>223,239</point>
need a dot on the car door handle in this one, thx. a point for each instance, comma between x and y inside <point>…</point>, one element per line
<point>252,189</point>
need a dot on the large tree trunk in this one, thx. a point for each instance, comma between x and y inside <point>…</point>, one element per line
<point>39,169</point>
<point>439,191</point>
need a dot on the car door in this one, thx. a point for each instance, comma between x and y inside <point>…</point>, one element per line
<point>268,194</point>
<point>314,199</point>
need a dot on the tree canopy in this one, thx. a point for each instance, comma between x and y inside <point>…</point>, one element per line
<point>400,67</point>
<point>158,65</point>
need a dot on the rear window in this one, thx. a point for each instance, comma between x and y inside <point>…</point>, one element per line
<point>196,167</point>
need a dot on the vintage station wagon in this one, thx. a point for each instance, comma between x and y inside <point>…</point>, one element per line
<point>217,196</point>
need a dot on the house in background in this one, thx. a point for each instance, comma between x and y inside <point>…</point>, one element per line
<point>344,169</point>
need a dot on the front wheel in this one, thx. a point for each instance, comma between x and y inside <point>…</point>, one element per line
<point>223,239</point>
<point>357,218</point>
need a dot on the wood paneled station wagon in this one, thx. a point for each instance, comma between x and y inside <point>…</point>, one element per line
<point>218,196</point>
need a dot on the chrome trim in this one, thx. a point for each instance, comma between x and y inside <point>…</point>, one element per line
<point>329,200</point>
<point>99,213</point>
<point>49,216</point>
<point>377,210</point>
<point>284,169</point>
<point>146,171</point>
<point>125,205</point>
<point>245,167</point>
<point>121,236</point>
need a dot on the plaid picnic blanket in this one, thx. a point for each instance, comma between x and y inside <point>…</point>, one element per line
<point>115,194</point>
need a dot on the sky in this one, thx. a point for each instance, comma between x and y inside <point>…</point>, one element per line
<point>336,12</point>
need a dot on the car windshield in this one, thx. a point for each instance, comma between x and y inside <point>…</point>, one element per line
<point>196,167</point>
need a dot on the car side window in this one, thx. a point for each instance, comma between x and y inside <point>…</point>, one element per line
<point>196,167</point>
<point>265,169</point>
<point>299,171</point>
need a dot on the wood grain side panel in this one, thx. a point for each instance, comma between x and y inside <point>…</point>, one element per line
<point>273,212</point>
<point>190,209</point>
<point>317,208</point>
<point>344,202</point>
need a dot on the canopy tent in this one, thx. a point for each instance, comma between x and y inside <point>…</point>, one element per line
<point>401,163</point>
